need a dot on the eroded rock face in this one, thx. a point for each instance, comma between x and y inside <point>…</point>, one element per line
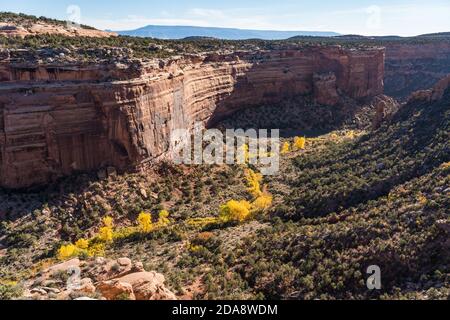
<point>148,286</point>
<point>99,278</point>
<point>436,93</point>
<point>413,67</point>
<point>325,89</point>
<point>57,120</point>
<point>384,107</point>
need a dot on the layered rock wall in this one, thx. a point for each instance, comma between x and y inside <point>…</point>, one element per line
<point>412,67</point>
<point>57,120</point>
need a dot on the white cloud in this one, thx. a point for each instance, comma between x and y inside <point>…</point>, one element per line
<point>374,20</point>
<point>403,20</point>
<point>135,22</point>
<point>207,13</point>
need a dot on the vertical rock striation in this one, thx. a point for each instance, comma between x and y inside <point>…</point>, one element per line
<point>413,67</point>
<point>57,120</point>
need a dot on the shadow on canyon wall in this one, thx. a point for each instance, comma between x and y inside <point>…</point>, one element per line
<point>308,98</point>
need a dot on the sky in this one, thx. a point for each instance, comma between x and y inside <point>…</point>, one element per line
<point>373,17</point>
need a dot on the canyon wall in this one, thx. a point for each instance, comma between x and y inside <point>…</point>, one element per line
<point>412,67</point>
<point>57,120</point>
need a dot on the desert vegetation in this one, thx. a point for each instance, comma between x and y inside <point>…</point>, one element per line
<point>347,196</point>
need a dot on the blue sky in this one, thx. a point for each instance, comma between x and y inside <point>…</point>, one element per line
<point>375,17</point>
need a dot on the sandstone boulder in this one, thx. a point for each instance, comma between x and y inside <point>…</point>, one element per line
<point>148,286</point>
<point>86,287</point>
<point>115,290</point>
<point>64,267</point>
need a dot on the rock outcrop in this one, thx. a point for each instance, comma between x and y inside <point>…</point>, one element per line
<point>57,119</point>
<point>385,107</point>
<point>436,93</point>
<point>137,286</point>
<point>11,29</point>
<point>99,279</point>
<point>413,67</point>
<point>325,89</point>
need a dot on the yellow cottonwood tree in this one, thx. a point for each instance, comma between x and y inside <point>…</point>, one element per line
<point>68,251</point>
<point>235,211</point>
<point>145,222</point>
<point>300,143</point>
<point>106,233</point>
<point>82,244</point>
<point>262,203</point>
<point>163,218</point>
<point>254,182</point>
<point>286,148</point>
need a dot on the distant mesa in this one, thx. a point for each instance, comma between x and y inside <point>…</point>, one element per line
<point>197,38</point>
<point>183,32</point>
<point>436,35</point>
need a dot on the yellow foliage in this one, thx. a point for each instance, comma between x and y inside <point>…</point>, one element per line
<point>235,211</point>
<point>8,283</point>
<point>96,250</point>
<point>254,182</point>
<point>351,134</point>
<point>108,222</point>
<point>106,234</point>
<point>300,143</point>
<point>68,251</point>
<point>262,203</point>
<point>124,233</point>
<point>245,148</point>
<point>445,166</point>
<point>422,199</point>
<point>193,248</point>
<point>163,218</point>
<point>286,148</point>
<point>202,222</point>
<point>145,222</point>
<point>82,244</point>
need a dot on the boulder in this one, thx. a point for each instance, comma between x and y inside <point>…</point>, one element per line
<point>148,286</point>
<point>115,290</point>
<point>86,287</point>
<point>124,262</point>
<point>64,267</point>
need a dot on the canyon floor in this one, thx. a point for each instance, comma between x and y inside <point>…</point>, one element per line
<point>370,185</point>
<point>351,199</point>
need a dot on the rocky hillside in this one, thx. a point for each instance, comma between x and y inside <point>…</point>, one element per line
<point>381,198</point>
<point>350,199</point>
<point>21,25</point>
<point>92,208</point>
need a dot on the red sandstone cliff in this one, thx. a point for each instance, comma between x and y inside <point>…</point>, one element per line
<point>56,120</point>
<point>412,67</point>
